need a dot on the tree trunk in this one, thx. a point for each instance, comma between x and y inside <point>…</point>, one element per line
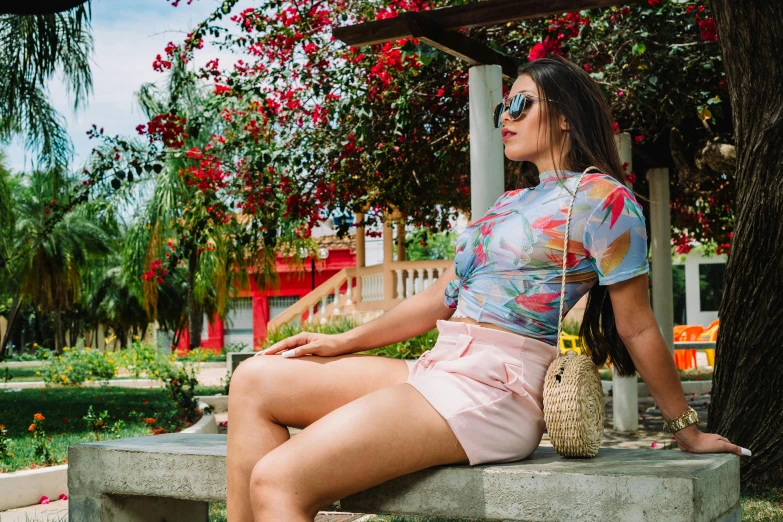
<point>748,380</point>
<point>195,317</point>
<point>59,334</point>
<point>15,306</point>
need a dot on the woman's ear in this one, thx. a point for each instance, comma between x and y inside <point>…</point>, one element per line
<point>564,126</point>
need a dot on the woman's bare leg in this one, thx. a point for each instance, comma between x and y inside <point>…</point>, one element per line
<point>390,432</point>
<point>270,392</point>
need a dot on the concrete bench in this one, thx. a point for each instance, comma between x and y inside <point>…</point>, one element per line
<point>173,477</point>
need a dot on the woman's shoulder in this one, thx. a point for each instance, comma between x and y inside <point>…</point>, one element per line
<point>597,186</point>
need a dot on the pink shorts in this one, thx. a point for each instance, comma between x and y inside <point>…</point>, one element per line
<point>488,385</point>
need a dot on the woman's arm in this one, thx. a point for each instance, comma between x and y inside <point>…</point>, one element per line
<point>414,316</point>
<point>639,331</point>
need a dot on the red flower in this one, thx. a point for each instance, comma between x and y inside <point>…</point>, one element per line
<point>587,67</point>
<point>544,49</point>
<point>44,500</point>
<point>639,138</point>
<point>654,3</point>
<point>708,30</point>
<point>616,128</point>
<point>38,417</point>
<point>63,496</point>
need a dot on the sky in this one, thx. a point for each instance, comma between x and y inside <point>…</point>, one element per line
<point>127,37</point>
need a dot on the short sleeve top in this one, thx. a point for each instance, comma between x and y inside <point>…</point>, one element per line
<point>509,262</point>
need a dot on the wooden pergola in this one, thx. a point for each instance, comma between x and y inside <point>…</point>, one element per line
<point>440,28</point>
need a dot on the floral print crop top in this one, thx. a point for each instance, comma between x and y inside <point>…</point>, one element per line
<point>509,262</point>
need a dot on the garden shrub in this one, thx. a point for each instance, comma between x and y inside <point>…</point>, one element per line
<point>5,443</point>
<point>78,366</point>
<point>98,424</point>
<point>143,359</point>
<point>199,355</point>
<point>43,452</point>
<point>408,349</point>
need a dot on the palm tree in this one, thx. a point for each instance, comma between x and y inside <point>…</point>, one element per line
<point>211,275</point>
<point>32,49</point>
<point>49,252</point>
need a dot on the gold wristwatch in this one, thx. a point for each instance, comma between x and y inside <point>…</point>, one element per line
<point>683,421</point>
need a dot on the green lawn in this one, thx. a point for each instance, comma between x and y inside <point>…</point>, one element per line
<point>21,374</point>
<point>63,408</point>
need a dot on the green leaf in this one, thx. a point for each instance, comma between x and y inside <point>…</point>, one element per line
<point>653,80</point>
<point>409,47</point>
<point>639,48</point>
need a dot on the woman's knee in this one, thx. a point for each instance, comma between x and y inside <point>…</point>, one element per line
<point>249,379</point>
<point>273,486</point>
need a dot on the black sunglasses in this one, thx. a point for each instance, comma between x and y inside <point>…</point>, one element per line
<point>514,105</point>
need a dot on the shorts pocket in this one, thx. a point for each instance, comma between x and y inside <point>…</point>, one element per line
<point>515,377</point>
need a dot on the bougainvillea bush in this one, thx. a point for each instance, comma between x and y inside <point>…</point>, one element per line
<point>301,125</point>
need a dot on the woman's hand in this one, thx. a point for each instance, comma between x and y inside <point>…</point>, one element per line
<point>692,440</point>
<point>310,343</point>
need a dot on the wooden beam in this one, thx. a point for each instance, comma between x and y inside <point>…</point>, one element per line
<point>40,7</point>
<point>492,12</point>
<point>459,45</point>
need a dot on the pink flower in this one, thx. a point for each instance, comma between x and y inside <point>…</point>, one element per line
<point>620,93</point>
<point>63,496</point>
<point>44,500</point>
<point>654,445</point>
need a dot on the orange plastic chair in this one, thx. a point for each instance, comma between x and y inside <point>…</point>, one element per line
<point>691,333</point>
<point>685,359</point>
<point>710,334</point>
<point>678,330</point>
<point>713,324</point>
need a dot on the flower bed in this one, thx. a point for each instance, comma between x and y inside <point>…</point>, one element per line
<point>66,419</point>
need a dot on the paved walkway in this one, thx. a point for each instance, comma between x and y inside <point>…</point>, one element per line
<point>650,431</point>
<point>209,374</point>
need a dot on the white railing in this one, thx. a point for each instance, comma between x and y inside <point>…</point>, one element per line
<point>374,288</point>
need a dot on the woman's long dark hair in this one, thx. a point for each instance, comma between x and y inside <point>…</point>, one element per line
<point>569,91</point>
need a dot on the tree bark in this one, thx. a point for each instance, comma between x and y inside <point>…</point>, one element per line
<point>748,380</point>
<point>15,306</point>
<point>195,317</point>
<point>59,334</point>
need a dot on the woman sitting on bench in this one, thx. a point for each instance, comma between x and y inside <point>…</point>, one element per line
<point>477,396</point>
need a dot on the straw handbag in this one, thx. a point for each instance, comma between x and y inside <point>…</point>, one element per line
<point>573,395</point>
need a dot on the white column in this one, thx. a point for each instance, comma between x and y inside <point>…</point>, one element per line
<point>625,395</point>
<point>625,403</point>
<point>485,83</point>
<point>661,243</point>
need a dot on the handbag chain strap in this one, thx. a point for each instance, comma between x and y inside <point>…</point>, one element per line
<point>565,257</point>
